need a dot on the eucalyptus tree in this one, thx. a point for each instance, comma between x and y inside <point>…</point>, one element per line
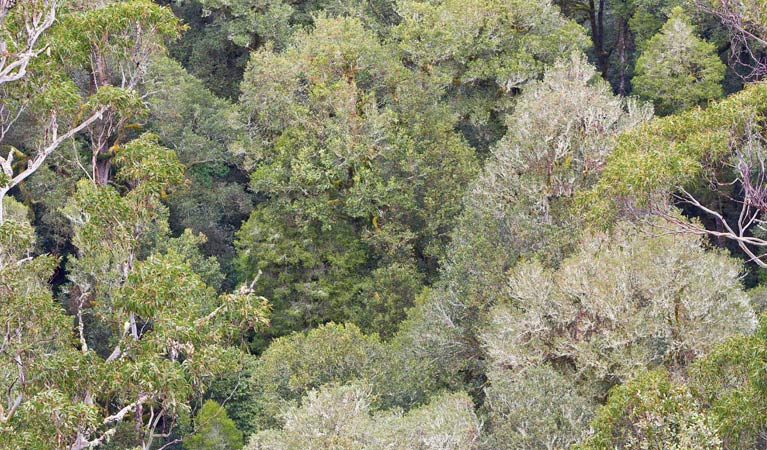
<point>709,161</point>
<point>32,84</point>
<point>112,45</point>
<point>149,333</point>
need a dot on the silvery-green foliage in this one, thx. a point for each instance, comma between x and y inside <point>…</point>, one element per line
<point>536,408</point>
<point>562,130</point>
<point>624,301</point>
<point>340,417</point>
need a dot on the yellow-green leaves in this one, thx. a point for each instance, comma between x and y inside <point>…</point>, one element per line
<point>655,159</point>
<point>146,165</point>
<point>118,29</point>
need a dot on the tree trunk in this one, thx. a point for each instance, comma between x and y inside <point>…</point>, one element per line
<point>623,44</point>
<point>101,161</point>
<point>101,168</point>
<point>596,20</point>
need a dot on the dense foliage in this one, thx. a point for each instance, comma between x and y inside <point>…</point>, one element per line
<point>383,224</point>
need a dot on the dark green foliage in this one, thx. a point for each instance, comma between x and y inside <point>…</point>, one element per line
<point>361,180</point>
<point>463,238</point>
<point>190,119</point>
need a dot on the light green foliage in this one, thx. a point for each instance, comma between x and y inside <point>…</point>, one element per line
<point>652,412</point>
<point>536,408</point>
<point>719,404</point>
<point>111,231</point>
<point>294,365</point>
<point>110,26</point>
<point>330,353</point>
<point>421,300</point>
<point>154,334</point>
<point>624,301</point>
<point>341,418</point>
<point>664,154</point>
<point>114,42</point>
<point>35,328</point>
<point>361,178</point>
<point>481,52</point>
<point>731,383</point>
<point>214,430</point>
<point>520,204</point>
<point>678,70</point>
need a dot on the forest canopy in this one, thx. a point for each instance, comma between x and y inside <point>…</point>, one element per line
<point>383,224</point>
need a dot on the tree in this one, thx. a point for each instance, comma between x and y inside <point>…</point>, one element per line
<point>622,303</point>
<point>23,27</point>
<point>729,384</point>
<point>652,411</point>
<point>709,161</point>
<point>521,205</point>
<point>200,127</point>
<point>253,24</point>
<point>480,53</point>
<point>213,430</point>
<point>537,408</point>
<point>34,326</point>
<point>677,69</point>
<point>361,173</point>
<point>294,365</point>
<point>340,417</point>
<point>747,22</point>
<point>149,334</point>
<point>29,84</point>
<point>114,43</point>
<point>618,30</point>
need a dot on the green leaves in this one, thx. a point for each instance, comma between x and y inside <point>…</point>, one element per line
<point>339,417</point>
<point>678,70</point>
<point>213,429</point>
<point>115,29</point>
<point>362,178</point>
<point>655,159</point>
<point>148,166</point>
<point>479,53</point>
<point>652,411</point>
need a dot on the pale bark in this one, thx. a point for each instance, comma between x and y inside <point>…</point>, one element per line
<point>41,156</point>
<point>13,65</point>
